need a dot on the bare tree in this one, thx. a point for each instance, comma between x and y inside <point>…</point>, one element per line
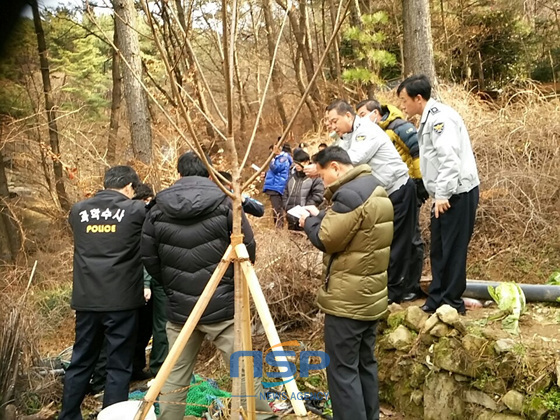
<point>418,45</point>
<point>304,56</point>
<point>10,238</point>
<point>336,68</point>
<point>244,274</point>
<point>116,98</point>
<point>136,101</point>
<point>50,109</point>
<point>271,35</point>
<point>194,67</point>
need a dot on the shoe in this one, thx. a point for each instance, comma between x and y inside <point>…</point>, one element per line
<point>141,375</point>
<point>409,297</point>
<point>427,309</point>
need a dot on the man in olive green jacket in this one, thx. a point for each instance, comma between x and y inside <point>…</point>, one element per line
<point>355,233</point>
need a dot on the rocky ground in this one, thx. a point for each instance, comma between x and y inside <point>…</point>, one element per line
<point>449,366</point>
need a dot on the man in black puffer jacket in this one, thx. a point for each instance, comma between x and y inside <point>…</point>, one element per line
<point>185,235</point>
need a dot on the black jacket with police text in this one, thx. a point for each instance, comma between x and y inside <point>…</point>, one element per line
<point>184,238</point>
<point>107,265</point>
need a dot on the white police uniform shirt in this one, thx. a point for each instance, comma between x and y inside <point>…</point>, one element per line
<point>446,158</point>
<point>368,143</point>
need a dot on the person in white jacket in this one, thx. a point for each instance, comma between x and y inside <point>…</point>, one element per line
<point>367,143</point>
<point>450,176</point>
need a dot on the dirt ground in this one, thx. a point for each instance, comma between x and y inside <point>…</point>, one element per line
<point>539,326</point>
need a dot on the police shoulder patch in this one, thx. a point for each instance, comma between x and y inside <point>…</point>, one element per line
<point>360,138</point>
<point>438,128</point>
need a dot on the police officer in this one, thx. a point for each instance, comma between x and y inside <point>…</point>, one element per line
<point>366,142</point>
<point>404,136</point>
<point>107,288</point>
<point>451,178</point>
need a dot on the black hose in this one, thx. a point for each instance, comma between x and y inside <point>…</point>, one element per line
<point>478,289</point>
<point>315,410</point>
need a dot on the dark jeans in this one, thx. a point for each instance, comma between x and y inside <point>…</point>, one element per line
<point>416,259</point>
<point>352,371</point>
<point>277,208</point>
<point>160,345</point>
<point>404,225</point>
<point>143,335</point>
<point>451,234</point>
<point>119,329</point>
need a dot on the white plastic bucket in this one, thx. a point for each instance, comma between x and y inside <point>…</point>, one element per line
<point>125,410</point>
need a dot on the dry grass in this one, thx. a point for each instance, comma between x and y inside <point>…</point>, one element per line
<point>289,270</point>
<point>517,146</point>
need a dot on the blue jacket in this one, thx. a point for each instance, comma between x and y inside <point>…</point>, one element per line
<point>278,174</point>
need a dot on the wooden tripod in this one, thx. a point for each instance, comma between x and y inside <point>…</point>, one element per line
<point>236,253</point>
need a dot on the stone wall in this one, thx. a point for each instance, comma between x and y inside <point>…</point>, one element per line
<point>443,367</point>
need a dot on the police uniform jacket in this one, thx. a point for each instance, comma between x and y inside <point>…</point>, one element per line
<point>368,143</point>
<point>107,266</point>
<point>355,234</point>
<point>446,157</point>
<point>404,136</point>
<point>185,235</point>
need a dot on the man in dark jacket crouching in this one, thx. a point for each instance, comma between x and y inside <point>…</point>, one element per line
<point>355,234</point>
<point>185,235</point>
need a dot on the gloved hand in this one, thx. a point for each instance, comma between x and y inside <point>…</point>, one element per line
<point>421,192</point>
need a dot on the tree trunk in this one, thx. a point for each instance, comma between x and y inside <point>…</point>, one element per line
<point>418,47</point>
<point>50,109</point>
<point>256,37</point>
<point>10,238</point>
<point>336,50</point>
<point>115,102</point>
<point>301,86</point>
<point>271,36</point>
<point>299,29</point>
<point>136,101</point>
<point>241,99</point>
<point>198,88</point>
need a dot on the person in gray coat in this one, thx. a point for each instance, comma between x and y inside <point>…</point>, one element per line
<point>451,178</point>
<point>301,190</point>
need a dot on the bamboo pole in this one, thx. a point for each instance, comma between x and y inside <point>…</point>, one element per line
<point>184,336</point>
<point>268,324</point>
<point>247,343</point>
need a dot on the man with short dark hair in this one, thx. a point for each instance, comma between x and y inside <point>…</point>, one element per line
<point>185,236</point>
<point>354,233</point>
<point>451,178</point>
<point>107,288</point>
<point>366,142</point>
<point>404,136</point>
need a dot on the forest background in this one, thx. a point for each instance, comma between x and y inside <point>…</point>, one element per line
<point>497,63</point>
